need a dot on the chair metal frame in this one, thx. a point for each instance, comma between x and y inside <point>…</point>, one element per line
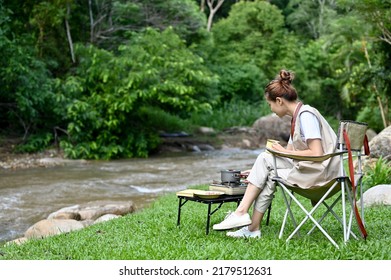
<point>339,188</point>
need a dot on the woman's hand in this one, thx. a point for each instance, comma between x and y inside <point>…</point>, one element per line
<point>244,174</point>
<point>278,147</point>
<point>314,149</point>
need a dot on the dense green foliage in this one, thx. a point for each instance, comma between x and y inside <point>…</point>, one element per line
<point>229,114</point>
<point>92,76</point>
<point>247,50</point>
<point>109,115</point>
<point>152,234</point>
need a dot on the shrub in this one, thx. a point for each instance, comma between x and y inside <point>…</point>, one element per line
<point>378,174</point>
<point>233,113</point>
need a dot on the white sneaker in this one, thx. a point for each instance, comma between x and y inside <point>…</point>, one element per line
<point>244,232</point>
<point>232,221</point>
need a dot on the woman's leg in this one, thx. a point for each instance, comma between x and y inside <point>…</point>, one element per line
<point>240,217</point>
<point>256,181</point>
<point>262,198</point>
<point>250,231</point>
<point>262,202</point>
<point>250,195</point>
<point>256,220</point>
<point>259,184</point>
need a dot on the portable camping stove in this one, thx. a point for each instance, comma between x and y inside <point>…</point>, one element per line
<point>230,188</point>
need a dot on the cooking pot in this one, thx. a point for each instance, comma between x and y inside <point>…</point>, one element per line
<point>230,176</point>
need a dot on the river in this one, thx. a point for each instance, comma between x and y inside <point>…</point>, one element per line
<point>30,195</point>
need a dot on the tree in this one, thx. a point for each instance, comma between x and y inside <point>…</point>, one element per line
<point>111,21</point>
<point>26,96</point>
<point>377,12</point>
<point>114,96</point>
<point>316,81</point>
<point>371,77</point>
<point>51,18</point>
<point>342,47</point>
<point>311,17</point>
<point>251,44</point>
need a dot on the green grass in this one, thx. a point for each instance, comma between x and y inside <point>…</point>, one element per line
<point>152,234</point>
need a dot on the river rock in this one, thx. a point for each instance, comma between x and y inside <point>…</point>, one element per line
<point>380,145</point>
<point>272,127</point>
<point>79,216</point>
<point>52,227</point>
<point>54,161</point>
<point>206,130</point>
<point>95,209</point>
<point>239,137</point>
<point>105,218</point>
<point>377,195</point>
<point>17,241</point>
<point>370,134</point>
<point>254,137</point>
<point>66,216</point>
<point>87,223</point>
<point>206,147</point>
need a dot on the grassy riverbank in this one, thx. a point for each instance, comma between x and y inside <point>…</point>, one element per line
<point>152,233</point>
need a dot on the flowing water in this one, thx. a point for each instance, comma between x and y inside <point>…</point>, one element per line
<point>27,196</point>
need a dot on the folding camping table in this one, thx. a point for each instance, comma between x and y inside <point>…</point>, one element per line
<point>209,201</point>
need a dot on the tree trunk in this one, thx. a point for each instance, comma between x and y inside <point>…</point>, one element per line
<point>202,6</point>
<point>69,33</point>
<point>91,21</point>
<point>212,11</point>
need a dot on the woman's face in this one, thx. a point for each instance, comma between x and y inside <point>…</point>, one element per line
<point>277,107</point>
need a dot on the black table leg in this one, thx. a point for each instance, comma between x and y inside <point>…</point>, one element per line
<point>179,212</point>
<point>208,218</point>
<point>183,200</point>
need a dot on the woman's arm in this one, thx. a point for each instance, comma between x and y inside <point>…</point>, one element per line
<point>310,127</point>
<point>314,148</point>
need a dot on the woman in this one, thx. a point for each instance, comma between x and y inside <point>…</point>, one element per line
<point>311,135</point>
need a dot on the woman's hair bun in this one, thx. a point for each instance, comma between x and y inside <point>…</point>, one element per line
<point>281,87</point>
<point>286,75</point>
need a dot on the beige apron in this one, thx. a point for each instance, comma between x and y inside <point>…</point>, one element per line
<point>309,174</point>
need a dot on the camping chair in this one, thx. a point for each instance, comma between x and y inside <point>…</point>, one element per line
<point>343,189</point>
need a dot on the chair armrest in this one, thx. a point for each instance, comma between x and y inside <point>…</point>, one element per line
<point>304,158</point>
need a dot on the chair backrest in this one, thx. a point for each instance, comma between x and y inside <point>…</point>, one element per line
<point>355,131</point>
